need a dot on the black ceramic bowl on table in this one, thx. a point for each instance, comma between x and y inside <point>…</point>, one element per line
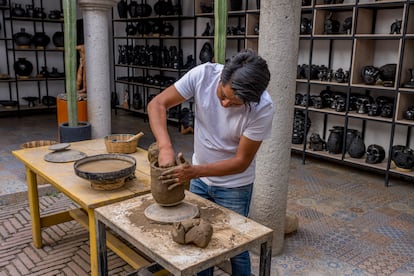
<point>8,104</point>
<point>106,171</point>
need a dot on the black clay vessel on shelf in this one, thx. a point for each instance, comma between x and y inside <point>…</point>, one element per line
<point>167,29</point>
<point>23,67</point>
<point>18,11</point>
<point>370,74</point>
<point>357,147</point>
<point>40,40</point>
<point>334,143</point>
<point>3,2</point>
<point>122,8</point>
<point>58,39</point>
<point>133,9</point>
<point>23,39</point>
<point>404,159</point>
<point>144,10</point>
<point>387,74</point>
<point>163,7</point>
<point>206,53</point>
<point>375,154</point>
<point>131,29</point>
<point>350,135</point>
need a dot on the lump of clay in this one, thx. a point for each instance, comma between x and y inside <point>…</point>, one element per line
<point>195,231</point>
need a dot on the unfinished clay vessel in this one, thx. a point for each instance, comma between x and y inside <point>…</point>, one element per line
<point>162,195</point>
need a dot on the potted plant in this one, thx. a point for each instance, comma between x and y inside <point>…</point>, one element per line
<point>73,130</point>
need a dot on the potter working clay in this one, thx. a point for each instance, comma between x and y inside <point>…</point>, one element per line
<point>193,231</point>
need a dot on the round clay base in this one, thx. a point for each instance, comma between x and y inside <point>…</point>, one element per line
<point>180,212</point>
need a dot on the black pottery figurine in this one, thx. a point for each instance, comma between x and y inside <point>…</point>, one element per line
<point>206,53</point>
<point>396,27</point>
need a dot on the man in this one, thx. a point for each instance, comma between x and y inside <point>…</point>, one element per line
<point>233,115</point>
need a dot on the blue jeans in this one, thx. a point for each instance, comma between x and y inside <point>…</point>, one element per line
<point>236,199</point>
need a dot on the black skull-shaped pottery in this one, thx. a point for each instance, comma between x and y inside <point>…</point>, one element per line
<point>300,125</point>
<point>370,74</point>
<point>409,113</point>
<point>357,147</point>
<point>316,143</point>
<point>331,25</point>
<point>375,154</point>
<point>404,159</point>
<point>23,67</point>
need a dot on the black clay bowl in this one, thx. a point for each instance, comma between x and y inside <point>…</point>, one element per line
<point>105,169</point>
<point>8,103</point>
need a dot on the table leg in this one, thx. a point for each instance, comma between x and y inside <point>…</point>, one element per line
<point>102,251</point>
<point>92,242</point>
<point>33,197</point>
<point>265,258</point>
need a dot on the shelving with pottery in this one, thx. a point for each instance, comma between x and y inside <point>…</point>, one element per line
<point>36,21</point>
<point>380,36</point>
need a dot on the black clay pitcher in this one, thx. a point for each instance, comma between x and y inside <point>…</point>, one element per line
<point>122,7</point>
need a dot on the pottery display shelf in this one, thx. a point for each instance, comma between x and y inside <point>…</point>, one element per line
<point>62,176</point>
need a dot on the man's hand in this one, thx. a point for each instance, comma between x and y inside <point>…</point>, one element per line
<point>166,158</point>
<point>177,175</point>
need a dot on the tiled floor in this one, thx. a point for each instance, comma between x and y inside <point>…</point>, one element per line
<point>349,222</point>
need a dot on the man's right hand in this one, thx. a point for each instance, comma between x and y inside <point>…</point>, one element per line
<point>166,158</point>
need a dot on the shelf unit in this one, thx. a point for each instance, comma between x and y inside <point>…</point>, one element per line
<point>35,85</point>
<point>373,39</point>
<point>190,33</point>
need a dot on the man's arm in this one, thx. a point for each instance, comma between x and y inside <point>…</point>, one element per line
<point>157,113</point>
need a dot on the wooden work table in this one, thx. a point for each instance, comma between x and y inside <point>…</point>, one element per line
<point>63,178</point>
<point>232,234</point>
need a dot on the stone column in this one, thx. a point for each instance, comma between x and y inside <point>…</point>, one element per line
<point>278,44</point>
<point>96,34</point>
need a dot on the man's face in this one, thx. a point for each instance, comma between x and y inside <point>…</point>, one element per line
<point>226,96</point>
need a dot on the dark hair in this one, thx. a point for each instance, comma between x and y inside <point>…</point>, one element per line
<point>248,74</point>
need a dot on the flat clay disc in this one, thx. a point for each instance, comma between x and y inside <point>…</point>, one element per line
<point>180,212</point>
<point>63,156</point>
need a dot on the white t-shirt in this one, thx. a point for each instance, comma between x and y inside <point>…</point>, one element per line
<point>217,129</point>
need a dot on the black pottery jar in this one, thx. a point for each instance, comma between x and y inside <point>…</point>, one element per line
<point>3,2</point>
<point>163,7</point>
<point>40,40</point>
<point>357,147</point>
<point>23,39</point>
<point>122,8</point>
<point>133,9</point>
<point>23,68</point>
<point>404,159</point>
<point>58,39</point>
<point>18,11</point>
<point>167,29</point>
<point>144,10</point>
<point>206,53</point>
<point>350,135</point>
<point>335,139</point>
<point>387,74</point>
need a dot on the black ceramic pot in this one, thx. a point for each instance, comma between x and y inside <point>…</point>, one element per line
<point>58,39</point>
<point>3,2</point>
<point>357,147</point>
<point>23,39</point>
<point>350,135</point>
<point>40,40</point>
<point>49,100</point>
<point>335,139</point>
<point>144,10</point>
<point>131,29</point>
<point>18,11</point>
<point>23,67</point>
<point>206,53</point>
<point>122,7</point>
<point>167,29</point>
<point>163,7</point>
<point>133,9</point>
<point>387,72</point>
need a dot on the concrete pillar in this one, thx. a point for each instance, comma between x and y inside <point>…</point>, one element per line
<point>96,24</point>
<point>278,44</point>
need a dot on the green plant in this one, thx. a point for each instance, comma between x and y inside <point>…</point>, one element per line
<point>69,13</point>
<point>220,30</point>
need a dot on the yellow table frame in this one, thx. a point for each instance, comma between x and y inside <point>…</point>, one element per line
<point>63,178</point>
